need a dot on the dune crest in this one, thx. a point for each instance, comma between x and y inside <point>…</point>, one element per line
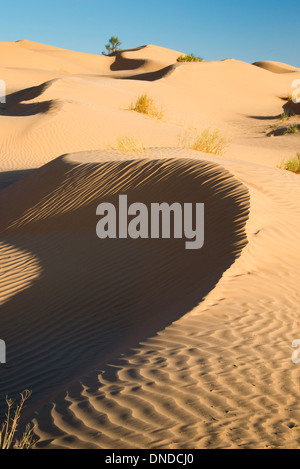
<point>214,377</point>
<point>124,291</point>
<point>276,67</point>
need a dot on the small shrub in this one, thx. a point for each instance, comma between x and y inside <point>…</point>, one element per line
<point>288,97</point>
<point>129,144</point>
<point>145,105</point>
<point>293,129</point>
<point>291,164</point>
<point>112,46</point>
<point>285,116</point>
<point>189,58</point>
<point>10,425</point>
<point>209,141</point>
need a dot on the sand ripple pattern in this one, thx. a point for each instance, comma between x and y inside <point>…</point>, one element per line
<point>164,349</point>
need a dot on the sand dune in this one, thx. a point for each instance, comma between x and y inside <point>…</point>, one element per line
<point>234,346</point>
<point>218,377</point>
<point>58,216</point>
<point>276,67</point>
<point>78,113</point>
<point>142,343</point>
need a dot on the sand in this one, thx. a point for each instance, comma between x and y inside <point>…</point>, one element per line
<point>141,343</point>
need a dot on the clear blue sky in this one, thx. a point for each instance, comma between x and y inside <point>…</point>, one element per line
<point>213,29</point>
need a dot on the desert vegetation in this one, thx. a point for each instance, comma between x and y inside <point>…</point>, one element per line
<point>292,129</point>
<point>113,45</point>
<point>291,164</point>
<point>9,427</point>
<point>285,116</point>
<point>189,58</point>
<point>144,104</point>
<point>287,97</point>
<point>207,141</point>
<point>130,144</point>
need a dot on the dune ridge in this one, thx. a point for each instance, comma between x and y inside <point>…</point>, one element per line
<point>57,218</point>
<point>220,376</point>
<point>276,67</point>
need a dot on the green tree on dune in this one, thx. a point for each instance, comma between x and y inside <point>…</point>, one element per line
<point>112,46</point>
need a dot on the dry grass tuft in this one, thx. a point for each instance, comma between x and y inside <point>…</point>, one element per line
<point>291,164</point>
<point>129,144</point>
<point>208,141</point>
<point>10,426</point>
<point>285,116</point>
<point>292,129</point>
<point>145,105</point>
<point>288,97</point>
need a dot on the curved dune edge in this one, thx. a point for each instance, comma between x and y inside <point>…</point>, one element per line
<point>276,67</point>
<point>219,377</point>
<point>88,300</point>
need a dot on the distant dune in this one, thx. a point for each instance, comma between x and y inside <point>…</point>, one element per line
<point>140,343</point>
<point>276,67</point>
